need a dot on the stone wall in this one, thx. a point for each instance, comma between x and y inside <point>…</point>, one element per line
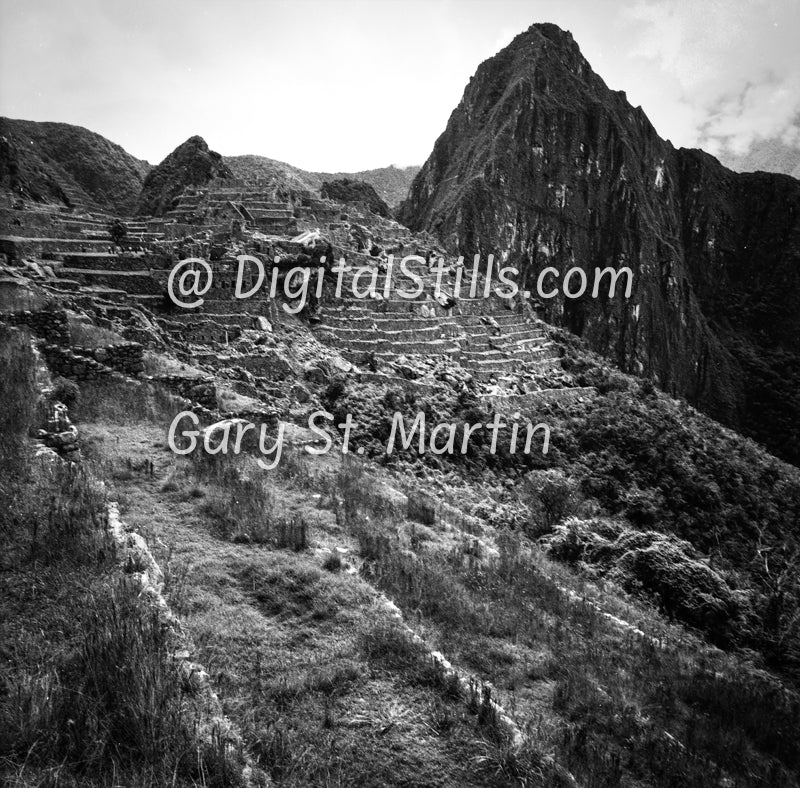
<point>51,325</point>
<point>125,357</point>
<point>201,389</point>
<point>64,362</point>
<point>82,363</point>
<point>531,400</point>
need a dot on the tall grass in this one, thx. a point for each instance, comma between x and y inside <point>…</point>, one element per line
<point>18,396</point>
<point>90,694</point>
<point>114,706</point>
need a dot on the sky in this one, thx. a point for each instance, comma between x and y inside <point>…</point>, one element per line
<point>357,84</point>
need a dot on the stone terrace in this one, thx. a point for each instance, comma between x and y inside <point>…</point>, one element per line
<point>482,335</point>
<point>501,345</point>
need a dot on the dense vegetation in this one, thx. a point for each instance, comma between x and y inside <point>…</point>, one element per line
<point>60,163</point>
<point>705,522</point>
<point>348,190</point>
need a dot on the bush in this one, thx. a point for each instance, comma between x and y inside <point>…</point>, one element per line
<point>421,507</point>
<point>659,566</point>
<point>66,391</point>
<point>551,497</point>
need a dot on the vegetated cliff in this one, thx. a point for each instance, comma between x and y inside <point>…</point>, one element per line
<point>69,165</point>
<point>349,190</point>
<point>190,164</point>
<point>545,165</point>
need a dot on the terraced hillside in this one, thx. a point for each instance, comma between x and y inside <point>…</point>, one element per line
<point>620,561</point>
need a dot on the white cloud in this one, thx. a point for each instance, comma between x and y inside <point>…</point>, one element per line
<point>734,69</point>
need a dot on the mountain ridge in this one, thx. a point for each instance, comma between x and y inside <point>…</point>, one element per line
<point>60,162</point>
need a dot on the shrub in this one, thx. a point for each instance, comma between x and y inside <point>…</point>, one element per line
<point>118,230</point>
<point>657,565</point>
<point>551,496</point>
<point>66,391</point>
<point>421,507</point>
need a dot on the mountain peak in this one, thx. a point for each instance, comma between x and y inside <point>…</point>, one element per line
<point>545,165</point>
<point>192,163</point>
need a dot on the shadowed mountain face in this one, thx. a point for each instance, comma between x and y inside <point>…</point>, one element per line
<point>190,164</point>
<point>63,164</point>
<point>542,162</point>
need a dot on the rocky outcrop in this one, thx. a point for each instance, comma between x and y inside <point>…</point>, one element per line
<point>347,190</point>
<point>190,164</point>
<point>543,164</point>
<point>57,431</point>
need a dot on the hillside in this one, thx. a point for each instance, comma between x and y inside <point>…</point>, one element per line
<point>347,190</point>
<point>391,183</point>
<point>541,161</point>
<point>63,164</point>
<point>68,165</point>
<point>551,617</point>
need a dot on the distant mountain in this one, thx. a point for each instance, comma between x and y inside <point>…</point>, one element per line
<point>69,165</point>
<point>391,183</point>
<point>190,164</point>
<point>767,155</point>
<point>543,163</point>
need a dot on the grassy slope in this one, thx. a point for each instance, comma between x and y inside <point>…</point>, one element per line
<point>289,643</point>
<point>324,687</point>
<point>295,650</point>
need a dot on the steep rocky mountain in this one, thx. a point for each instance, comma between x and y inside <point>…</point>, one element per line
<point>63,164</point>
<point>190,164</point>
<point>391,183</point>
<point>543,163</point>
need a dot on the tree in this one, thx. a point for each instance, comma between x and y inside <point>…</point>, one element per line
<point>117,230</point>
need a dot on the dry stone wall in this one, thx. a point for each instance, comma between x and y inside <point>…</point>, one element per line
<point>48,324</point>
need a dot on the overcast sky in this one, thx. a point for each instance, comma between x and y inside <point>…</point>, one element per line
<point>329,85</point>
